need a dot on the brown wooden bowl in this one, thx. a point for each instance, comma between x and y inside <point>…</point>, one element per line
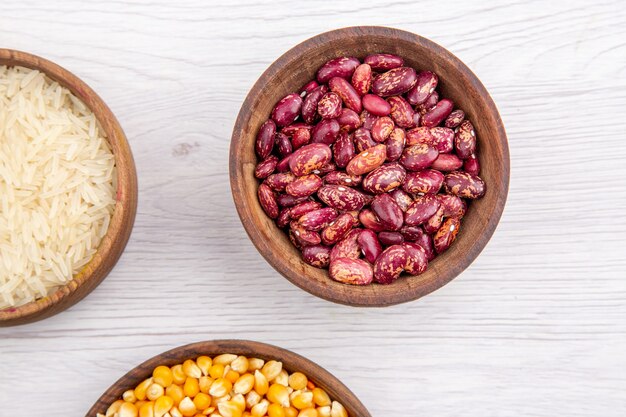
<point>115,240</point>
<point>299,65</point>
<point>292,362</point>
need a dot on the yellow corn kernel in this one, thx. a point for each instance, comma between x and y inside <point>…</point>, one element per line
<point>229,409</point>
<point>244,384</point>
<point>320,397</point>
<point>260,409</point>
<point>275,410</point>
<point>298,381</point>
<point>140,404</point>
<point>163,376</point>
<point>191,387</point>
<point>190,368</point>
<point>205,384</point>
<point>204,363</point>
<point>175,412</point>
<point>252,399</point>
<point>240,401</point>
<point>278,394</point>
<point>164,404</point>
<point>114,408</point>
<point>337,410</point>
<point>147,409</point>
<point>272,369</point>
<point>178,374</point>
<point>308,412</point>
<point>208,411</point>
<point>175,392</point>
<point>216,371</point>
<point>220,387</point>
<point>129,396</point>
<point>255,364</point>
<point>302,400</point>
<point>282,378</point>
<point>202,401</point>
<point>232,376</point>
<point>323,411</point>
<point>187,408</point>
<point>140,390</point>
<point>224,359</point>
<point>154,391</point>
<point>291,412</point>
<point>260,383</point>
<point>310,385</point>
<point>128,410</point>
<point>240,365</point>
<point>245,414</point>
<point>216,400</point>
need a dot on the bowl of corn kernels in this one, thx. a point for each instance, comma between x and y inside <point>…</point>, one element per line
<point>228,378</point>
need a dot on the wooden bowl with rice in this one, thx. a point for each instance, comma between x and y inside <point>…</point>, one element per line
<point>68,189</point>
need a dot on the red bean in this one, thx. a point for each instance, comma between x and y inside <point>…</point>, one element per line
<point>338,67</point>
<point>362,79</point>
<point>376,105</point>
<point>370,245</point>
<point>374,162</point>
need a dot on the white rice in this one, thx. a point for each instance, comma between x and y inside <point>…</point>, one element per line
<point>57,185</point>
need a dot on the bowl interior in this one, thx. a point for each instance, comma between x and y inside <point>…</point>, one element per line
<point>299,65</point>
<point>291,362</point>
<point>117,236</point>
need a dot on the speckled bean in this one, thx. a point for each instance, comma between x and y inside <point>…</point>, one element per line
<point>446,234</point>
<point>416,259</point>
<point>309,158</point>
<point>401,112</point>
<point>265,168</point>
<point>425,84</point>
<point>464,185</point>
<point>427,181</point>
<point>369,244</point>
<point>390,264</point>
<point>337,67</point>
<point>447,162</point>
<point>418,157</point>
<point>341,198</point>
<point>394,82</point>
<point>316,220</point>
<point>287,109</point>
<point>265,139</point>
<point>421,210</point>
<point>326,131</point>
<point>383,62</point>
<point>316,255</point>
<point>465,140</point>
<point>350,271</point>
<point>346,92</point>
<point>362,79</point>
<point>388,211</point>
<point>384,178</point>
<point>304,186</point>
<point>267,199</point>
<point>367,161</point>
<point>434,116</point>
<point>337,229</point>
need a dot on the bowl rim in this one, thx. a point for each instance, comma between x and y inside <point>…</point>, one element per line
<point>291,361</point>
<point>115,240</point>
<point>244,210</point>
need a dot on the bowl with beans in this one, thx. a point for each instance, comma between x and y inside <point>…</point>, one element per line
<point>369,166</point>
<point>228,378</point>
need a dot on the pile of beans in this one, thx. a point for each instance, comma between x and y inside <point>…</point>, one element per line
<point>367,169</point>
<point>225,386</point>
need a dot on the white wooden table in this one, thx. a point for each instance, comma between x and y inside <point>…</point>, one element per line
<point>535,327</point>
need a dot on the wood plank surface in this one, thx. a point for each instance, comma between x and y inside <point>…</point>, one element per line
<point>535,327</point>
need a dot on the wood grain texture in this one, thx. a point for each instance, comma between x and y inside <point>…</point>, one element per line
<point>291,363</point>
<point>114,242</point>
<point>297,67</point>
<point>536,327</point>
